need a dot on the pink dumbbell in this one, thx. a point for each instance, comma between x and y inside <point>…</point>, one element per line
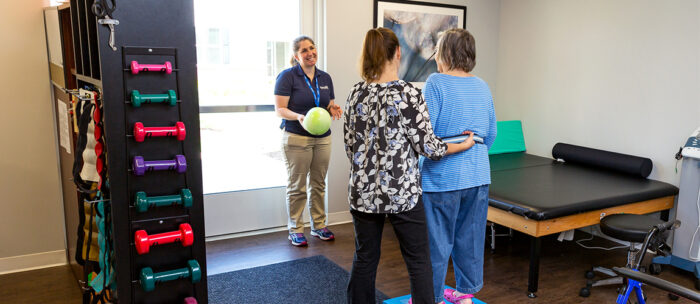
<point>143,241</point>
<point>141,132</point>
<point>167,67</point>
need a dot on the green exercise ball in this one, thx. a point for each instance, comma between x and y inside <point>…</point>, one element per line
<point>317,121</point>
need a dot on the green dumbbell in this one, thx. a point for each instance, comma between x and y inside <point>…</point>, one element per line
<point>143,202</point>
<point>149,279</point>
<point>137,99</point>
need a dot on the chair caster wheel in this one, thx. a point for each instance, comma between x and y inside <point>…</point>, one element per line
<point>654,268</point>
<point>589,274</point>
<point>673,297</point>
<point>585,292</point>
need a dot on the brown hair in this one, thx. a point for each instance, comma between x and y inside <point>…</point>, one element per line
<point>296,44</point>
<point>379,47</point>
<point>457,50</point>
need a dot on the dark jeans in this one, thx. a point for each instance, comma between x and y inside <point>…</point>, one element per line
<point>411,230</point>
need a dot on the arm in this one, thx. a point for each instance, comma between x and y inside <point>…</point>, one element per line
<point>491,136</point>
<point>334,109</point>
<point>348,131</point>
<point>281,109</point>
<point>463,146</point>
<point>283,92</point>
<point>420,131</point>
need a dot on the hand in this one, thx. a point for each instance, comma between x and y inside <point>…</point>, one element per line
<point>300,118</point>
<point>469,142</point>
<point>335,110</point>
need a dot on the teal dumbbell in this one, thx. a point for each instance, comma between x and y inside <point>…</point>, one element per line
<point>149,279</point>
<point>137,99</point>
<point>142,202</point>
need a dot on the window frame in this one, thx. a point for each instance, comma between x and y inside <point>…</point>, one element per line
<point>312,24</point>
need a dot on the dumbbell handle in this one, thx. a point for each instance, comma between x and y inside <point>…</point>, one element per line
<point>144,202</point>
<point>171,275</point>
<point>141,132</point>
<point>161,164</point>
<point>140,166</point>
<point>143,241</point>
<point>136,67</point>
<point>149,279</point>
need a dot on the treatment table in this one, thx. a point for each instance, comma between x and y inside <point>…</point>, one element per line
<point>540,196</point>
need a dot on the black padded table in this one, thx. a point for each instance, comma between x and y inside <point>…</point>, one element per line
<point>540,196</point>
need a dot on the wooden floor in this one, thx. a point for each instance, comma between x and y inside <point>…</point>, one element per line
<point>505,271</point>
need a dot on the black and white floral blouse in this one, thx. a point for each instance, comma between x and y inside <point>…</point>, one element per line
<point>386,126</point>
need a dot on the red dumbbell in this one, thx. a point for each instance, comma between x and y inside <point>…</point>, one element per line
<point>140,132</point>
<point>143,241</point>
<point>190,300</point>
<point>166,67</point>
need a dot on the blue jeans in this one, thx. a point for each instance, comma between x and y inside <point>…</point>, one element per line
<point>457,227</point>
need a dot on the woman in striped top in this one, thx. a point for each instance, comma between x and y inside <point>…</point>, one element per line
<point>456,188</point>
<point>386,126</point>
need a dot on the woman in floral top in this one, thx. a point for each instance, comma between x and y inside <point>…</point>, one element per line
<point>386,126</point>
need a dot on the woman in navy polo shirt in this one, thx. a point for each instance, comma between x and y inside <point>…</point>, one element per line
<point>298,90</point>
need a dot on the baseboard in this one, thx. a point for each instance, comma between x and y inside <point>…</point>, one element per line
<point>338,218</point>
<point>32,261</point>
<point>335,218</point>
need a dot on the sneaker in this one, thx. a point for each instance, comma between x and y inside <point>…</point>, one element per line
<point>323,234</point>
<point>297,239</point>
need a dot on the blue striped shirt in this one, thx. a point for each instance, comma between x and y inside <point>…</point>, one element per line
<point>458,104</point>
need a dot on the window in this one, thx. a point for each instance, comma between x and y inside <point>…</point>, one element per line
<point>279,54</point>
<point>241,48</point>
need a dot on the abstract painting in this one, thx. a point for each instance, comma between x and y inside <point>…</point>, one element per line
<point>417,25</point>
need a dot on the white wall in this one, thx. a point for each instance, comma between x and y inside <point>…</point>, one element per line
<point>347,22</point>
<point>617,75</point>
<point>31,218</point>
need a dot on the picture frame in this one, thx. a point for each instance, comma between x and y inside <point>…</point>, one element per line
<point>417,25</point>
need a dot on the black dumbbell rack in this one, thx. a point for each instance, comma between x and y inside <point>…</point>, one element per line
<point>152,32</point>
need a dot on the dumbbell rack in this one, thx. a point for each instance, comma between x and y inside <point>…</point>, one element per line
<point>152,32</point>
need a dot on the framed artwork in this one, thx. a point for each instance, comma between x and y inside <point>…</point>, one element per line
<point>417,25</point>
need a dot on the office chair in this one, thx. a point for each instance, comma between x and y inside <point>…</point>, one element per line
<point>635,229</point>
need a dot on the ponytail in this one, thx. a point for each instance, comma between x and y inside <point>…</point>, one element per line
<point>379,47</point>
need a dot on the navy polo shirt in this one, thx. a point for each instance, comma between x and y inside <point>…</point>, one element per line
<point>290,82</point>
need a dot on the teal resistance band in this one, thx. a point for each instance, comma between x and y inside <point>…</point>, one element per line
<point>106,275</point>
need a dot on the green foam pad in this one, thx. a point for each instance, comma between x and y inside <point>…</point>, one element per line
<point>509,138</point>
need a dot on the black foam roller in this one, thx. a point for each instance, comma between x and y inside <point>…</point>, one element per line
<point>624,163</point>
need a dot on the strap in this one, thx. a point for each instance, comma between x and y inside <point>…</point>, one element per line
<point>317,93</point>
<point>84,118</point>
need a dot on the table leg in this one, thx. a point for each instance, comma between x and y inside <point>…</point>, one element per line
<point>533,278</point>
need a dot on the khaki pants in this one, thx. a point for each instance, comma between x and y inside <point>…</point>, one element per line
<point>306,158</point>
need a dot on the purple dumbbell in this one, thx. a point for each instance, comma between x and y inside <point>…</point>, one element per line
<point>140,166</point>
